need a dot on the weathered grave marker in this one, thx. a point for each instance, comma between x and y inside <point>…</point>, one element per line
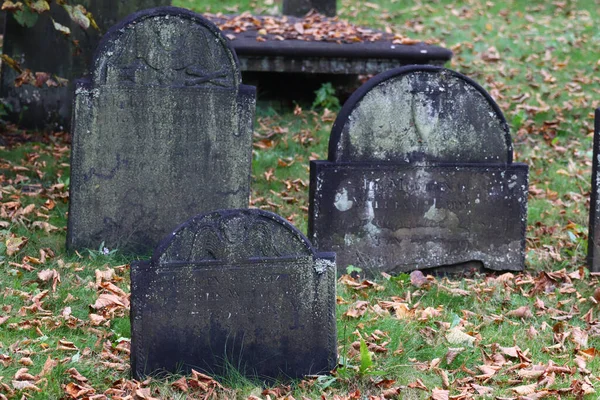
<point>43,49</point>
<point>242,287</point>
<point>420,174</point>
<point>299,8</point>
<point>593,256</point>
<point>161,132</point>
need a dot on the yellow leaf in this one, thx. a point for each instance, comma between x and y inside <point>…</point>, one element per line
<point>457,336</point>
<point>14,244</point>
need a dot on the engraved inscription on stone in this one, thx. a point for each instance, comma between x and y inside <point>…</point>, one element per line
<point>420,175</point>
<point>239,288</point>
<point>161,132</point>
<point>419,217</point>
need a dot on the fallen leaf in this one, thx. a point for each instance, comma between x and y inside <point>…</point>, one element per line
<point>521,312</point>
<point>14,244</point>
<point>524,389</point>
<point>439,394</point>
<point>457,336</point>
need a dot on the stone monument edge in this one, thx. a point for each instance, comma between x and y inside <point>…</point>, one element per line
<point>136,325</point>
<point>356,97</point>
<point>80,84</point>
<point>593,265</point>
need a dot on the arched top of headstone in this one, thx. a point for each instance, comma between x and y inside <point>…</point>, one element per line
<point>420,113</point>
<point>166,46</point>
<point>233,235</point>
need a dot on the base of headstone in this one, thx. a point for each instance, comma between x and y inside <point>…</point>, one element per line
<point>397,218</point>
<point>234,290</point>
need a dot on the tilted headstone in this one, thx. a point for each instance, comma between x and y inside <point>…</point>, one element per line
<point>299,8</point>
<point>42,48</point>
<point>420,174</point>
<point>593,256</point>
<point>161,132</point>
<point>234,288</point>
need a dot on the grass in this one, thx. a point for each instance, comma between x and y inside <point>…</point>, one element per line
<point>540,63</point>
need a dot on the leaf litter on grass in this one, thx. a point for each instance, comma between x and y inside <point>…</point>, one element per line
<point>531,335</point>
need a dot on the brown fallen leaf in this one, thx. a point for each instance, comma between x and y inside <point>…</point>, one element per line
<point>76,375</point>
<point>418,384</point>
<point>48,228</point>
<point>418,279</point>
<point>452,353</point>
<point>26,361</point>
<point>48,366</point>
<point>524,390</point>
<point>96,319</point>
<point>107,300</point>
<point>521,312</point>
<point>357,309</point>
<point>23,375</point>
<point>49,275</point>
<point>439,394</point>
<point>77,391</point>
<point>66,345</point>
<point>25,385</point>
<point>180,384</point>
<point>482,390</point>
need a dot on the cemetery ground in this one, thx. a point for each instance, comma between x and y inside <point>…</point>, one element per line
<point>64,319</point>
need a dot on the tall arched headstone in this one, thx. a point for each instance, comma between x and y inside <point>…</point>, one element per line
<point>42,48</point>
<point>420,174</point>
<point>161,132</point>
<point>234,288</point>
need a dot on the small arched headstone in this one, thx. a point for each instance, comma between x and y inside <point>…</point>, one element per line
<point>240,288</point>
<point>420,174</point>
<point>161,132</point>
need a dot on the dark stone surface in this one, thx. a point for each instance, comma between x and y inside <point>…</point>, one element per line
<point>420,175</point>
<point>43,49</point>
<point>322,57</point>
<point>161,132</point>
<point>299,8</point>
<point>242,287</point>
<point>593,256</point>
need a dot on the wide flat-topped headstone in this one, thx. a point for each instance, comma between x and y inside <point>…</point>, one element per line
<point>234,288</point>
<point>593,256</point>
<point>420,175</point>
<point>42,48</point>
<point>161,132</point>
<point>334,48</point>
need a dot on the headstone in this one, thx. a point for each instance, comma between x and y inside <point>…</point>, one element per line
<point>299,8</point>
<point>234,288</point>
<point>161,132</point>
<point>43,49</point>
<point>593,256</point>
<point>420,175</point>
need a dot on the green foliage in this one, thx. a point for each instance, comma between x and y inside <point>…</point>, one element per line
<point>26,17</point>
<point>366,361</point>
<point>326,98</point>
<point>350,269</point>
